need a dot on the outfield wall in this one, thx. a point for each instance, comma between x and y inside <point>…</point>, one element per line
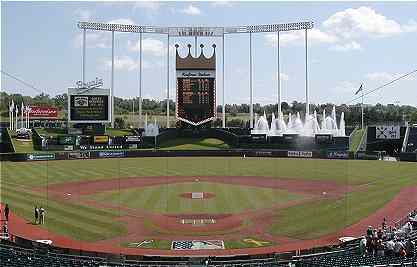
<point>68,155</point>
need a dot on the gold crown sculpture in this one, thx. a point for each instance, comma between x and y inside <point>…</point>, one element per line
<point>200,63</point>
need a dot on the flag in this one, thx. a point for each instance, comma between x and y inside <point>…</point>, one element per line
<point>360,89</point>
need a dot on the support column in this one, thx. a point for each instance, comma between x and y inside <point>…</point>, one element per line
<point>168,81</point>
<point>306,81</point>
<point>195,46</point>
<point>250,81</point>
<point>84,45</point>
<point>279,77</point>
<point>112,80</point>
<point>140,80</point>
<point>223,89</point>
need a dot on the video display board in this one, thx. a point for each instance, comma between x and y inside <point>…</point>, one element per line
<point>92,106</point>
<point>196,96</point>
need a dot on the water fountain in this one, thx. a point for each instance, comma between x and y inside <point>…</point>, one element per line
<point>295,125</point>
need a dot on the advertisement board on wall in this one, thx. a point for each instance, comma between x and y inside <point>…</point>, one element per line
<point>50,156</point>
<point>387,132</point>
<point>89,105</point>
<point>66,140</point>
<point>111,154</point>
<point>101,139</point>
<point>100,147</point>
<point>133,139</point>
<point>36,112</point>
<point>338,155</point>
<point>300,154</point>
<point>79,155</point>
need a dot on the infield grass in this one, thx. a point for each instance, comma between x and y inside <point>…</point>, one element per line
<point>167,198</point>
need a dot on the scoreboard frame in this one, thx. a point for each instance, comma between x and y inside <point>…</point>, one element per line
<point>88,93</point>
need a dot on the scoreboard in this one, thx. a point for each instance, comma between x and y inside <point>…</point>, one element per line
<point>89,106</point>
<point>196,97</point>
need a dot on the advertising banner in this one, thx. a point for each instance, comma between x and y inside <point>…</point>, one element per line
<point>338,155</point>
<point>111,154</point>
<point>50,156</point>
<point>66,140</point>
<point>79,155</point>
<point>100,147</point>
<point>101,139</point>
<point>387,132</point>
<point>300,154</point>
<point>133,139</point>
<point>43,112</point>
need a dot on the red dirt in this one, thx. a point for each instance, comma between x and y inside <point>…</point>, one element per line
<point>206,195</point>
<point>394,210</point>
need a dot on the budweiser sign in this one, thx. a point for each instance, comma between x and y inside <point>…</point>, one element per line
<point>43,112</point>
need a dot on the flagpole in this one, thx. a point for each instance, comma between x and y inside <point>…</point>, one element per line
<point>362,109</point>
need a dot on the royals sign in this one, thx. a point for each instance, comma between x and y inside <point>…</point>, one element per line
<point>43,112</point>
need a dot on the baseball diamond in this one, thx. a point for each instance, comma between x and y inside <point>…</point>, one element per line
<point>285,203</point>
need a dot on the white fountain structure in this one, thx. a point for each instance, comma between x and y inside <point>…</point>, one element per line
<point>151,129</point>
<point>295,125</point>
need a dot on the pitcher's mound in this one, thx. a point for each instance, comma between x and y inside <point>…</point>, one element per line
<point>197,195</point>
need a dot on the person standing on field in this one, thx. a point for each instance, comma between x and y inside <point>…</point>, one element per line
<point>42,215</point>
<point>36,214</point>
<point>6,212</point>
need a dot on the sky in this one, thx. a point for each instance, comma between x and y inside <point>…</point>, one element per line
<point>351,43</point>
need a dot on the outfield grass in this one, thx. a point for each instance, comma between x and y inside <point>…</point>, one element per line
<point>310,220</point>
<point>193,144</point>
<point>21,146</point>
<point>51,131</point>
<point>118,132</point>
<point>166,199</point>
<point>356,139</point>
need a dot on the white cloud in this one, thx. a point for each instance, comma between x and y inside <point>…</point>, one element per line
<point>284,77</point>
<point>83,14</point>
<point>315,36</point>
<point>347,46</point>
<point>93,40</point>
<point>222,3</point>
<point>122,63</point>
<point>149,5</point>
<point>352,23</point>
<point>191,10</point>
<point>126,21</point>
<point>344,30</point>
<point>150,46</point>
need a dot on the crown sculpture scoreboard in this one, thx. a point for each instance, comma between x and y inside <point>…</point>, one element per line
<point>196,87</point>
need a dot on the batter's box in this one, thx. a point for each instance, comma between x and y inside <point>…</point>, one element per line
<point>198,222</point>
<point>197,244</point>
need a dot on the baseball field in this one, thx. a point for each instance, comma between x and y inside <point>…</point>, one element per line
<point>142,205</point>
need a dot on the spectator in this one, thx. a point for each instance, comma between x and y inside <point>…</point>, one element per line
<point>369,231</point>
<point>409,248</point>
<point>6,212</point>
<point>390,248</point>
<point>362,246</point>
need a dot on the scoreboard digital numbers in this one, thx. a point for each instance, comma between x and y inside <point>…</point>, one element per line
<point>89,107</point>
<point>196,99</point>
